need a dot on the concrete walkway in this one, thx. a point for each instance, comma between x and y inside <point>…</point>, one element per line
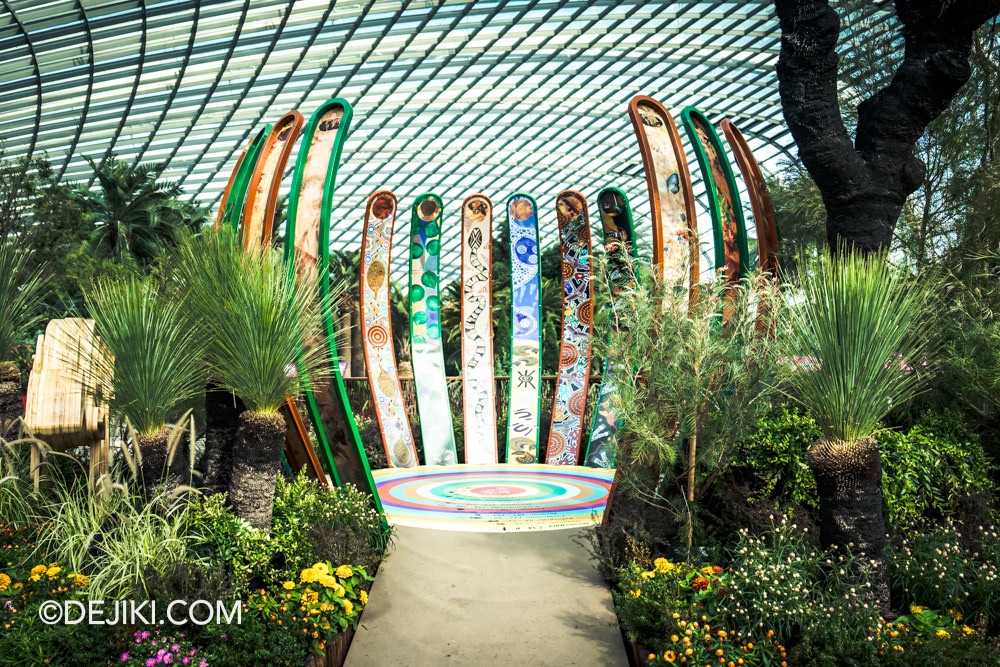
<point>530,599</point>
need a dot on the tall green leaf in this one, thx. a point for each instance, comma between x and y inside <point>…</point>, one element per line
<point>858,342</point>
<point>21,294</point>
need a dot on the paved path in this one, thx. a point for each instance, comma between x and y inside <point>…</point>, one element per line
<point>530,599</point>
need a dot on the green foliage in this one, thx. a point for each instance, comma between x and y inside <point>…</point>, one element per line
<point>858,342</point>
<point>256,641</point>
<point>682,375</point>
<point>157,357</point>
<point>929,470</point>
<point>252,318</point>
<point>22,290</point>
<point>114,538</point>
<point>776,454</point>
<point>135,216</point>
<point>945,567</point>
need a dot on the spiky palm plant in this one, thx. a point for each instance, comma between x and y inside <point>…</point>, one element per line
<point>157,367</point>
<point>859,346</point>
<point>22,292</point>
<point>253,321</point>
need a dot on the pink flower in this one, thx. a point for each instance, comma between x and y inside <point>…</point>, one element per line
<point>124,657</point>
<point>175,647</point>
<point>186,660</point>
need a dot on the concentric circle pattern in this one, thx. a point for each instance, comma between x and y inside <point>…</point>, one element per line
<point>494,498</point>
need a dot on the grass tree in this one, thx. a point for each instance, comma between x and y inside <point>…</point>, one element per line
<point>253,320</point>
<point>157,368</point>
<point>22,291</point>
<point>859,341</point>
<point>688,385</point>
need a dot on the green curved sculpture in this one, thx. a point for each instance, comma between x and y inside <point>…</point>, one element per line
<point>307,249</point>
<point>728,224</point>
<point>233,212</point>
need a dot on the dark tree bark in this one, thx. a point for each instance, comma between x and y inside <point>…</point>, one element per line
<point>256,463</point>
<point>222,412</point>
<point>865,183</point>
<point>11,405</point>
<point>849,484</point>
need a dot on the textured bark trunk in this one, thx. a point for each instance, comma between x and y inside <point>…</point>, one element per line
<point>256,462</point>
<point>849,482</point>
<point>11,405</point>
<point>222,412</point>
<point>153,466</point>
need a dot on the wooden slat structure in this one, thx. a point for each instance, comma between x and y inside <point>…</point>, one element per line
<point>65,406</point>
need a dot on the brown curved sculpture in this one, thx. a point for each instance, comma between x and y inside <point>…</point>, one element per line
<point>262,195</point>
<point>229,185</point>
<point>760,200</point>
<point>671,197</point>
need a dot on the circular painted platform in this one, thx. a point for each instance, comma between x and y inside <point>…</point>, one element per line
<point>494,498</point>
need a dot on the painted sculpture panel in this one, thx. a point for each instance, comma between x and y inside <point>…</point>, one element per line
<point>727,213</point>
<point>308,254</point>
<point>478,386</point>
<point>524,410</point>
<point>570,401</point>
<point>376,330</point>
<point>675,222</point>
<point>619,245</point>
<point>262,193</point>
<point>426,349</point>
<point>760,199</point>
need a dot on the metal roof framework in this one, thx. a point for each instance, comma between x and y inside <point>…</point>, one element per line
<point>450,96</point>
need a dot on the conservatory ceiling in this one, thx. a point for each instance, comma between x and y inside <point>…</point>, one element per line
<point>449,97</point>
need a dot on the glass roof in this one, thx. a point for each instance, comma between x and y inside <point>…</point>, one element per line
<point>449,97</point>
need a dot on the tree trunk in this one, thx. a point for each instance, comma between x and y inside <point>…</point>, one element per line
<point>153,466</point>
<point>11,405</point>
<point>849,482</point>
<point>222,412</point>
<point>256,462</point>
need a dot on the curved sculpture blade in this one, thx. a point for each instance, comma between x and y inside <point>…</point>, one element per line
<point>478,385</point>
<point>524,409</point>
<point>760,200</point>
<point>307,252</point>
<point>619,244</point>
<point>727,213</point>
<point>570,401</point>
<point>262,192</point>
<point>376,329</point>
<point>232,214</point>
<point>671,199</point>
<point>229,185</point>
<point>426,349</point>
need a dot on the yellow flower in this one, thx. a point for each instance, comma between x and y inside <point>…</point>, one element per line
<point>651,656</point>
<point>309,596</point>
<point>663,565</point>
<point>309,575</point>
<point>81,580</point>
<point>53,571</point>
<point>707,570</point>
<point>634,594</point>
<point>674,638</point>
<point>4,581</point>
<point>348,607</point>
<point>364,597</point>
<point>322,568</point>
<point>967,630</point>
<point>38,569</point>
<point>669,656</point>
<point>35,577</point>
<point>916,609</point>
<point>649,575</point>
<point>943,634</point>
<point>288,585</point>
<point>344,571</point>
<point>321,645</point>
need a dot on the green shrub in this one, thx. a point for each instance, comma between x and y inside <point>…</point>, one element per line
<point>256,641</point>
<point>776,454</point>
<point>936,568</point>
<point>931,468</point>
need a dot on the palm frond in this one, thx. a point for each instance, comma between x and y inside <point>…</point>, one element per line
<point>21,293</point>
<point>857,342</point>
